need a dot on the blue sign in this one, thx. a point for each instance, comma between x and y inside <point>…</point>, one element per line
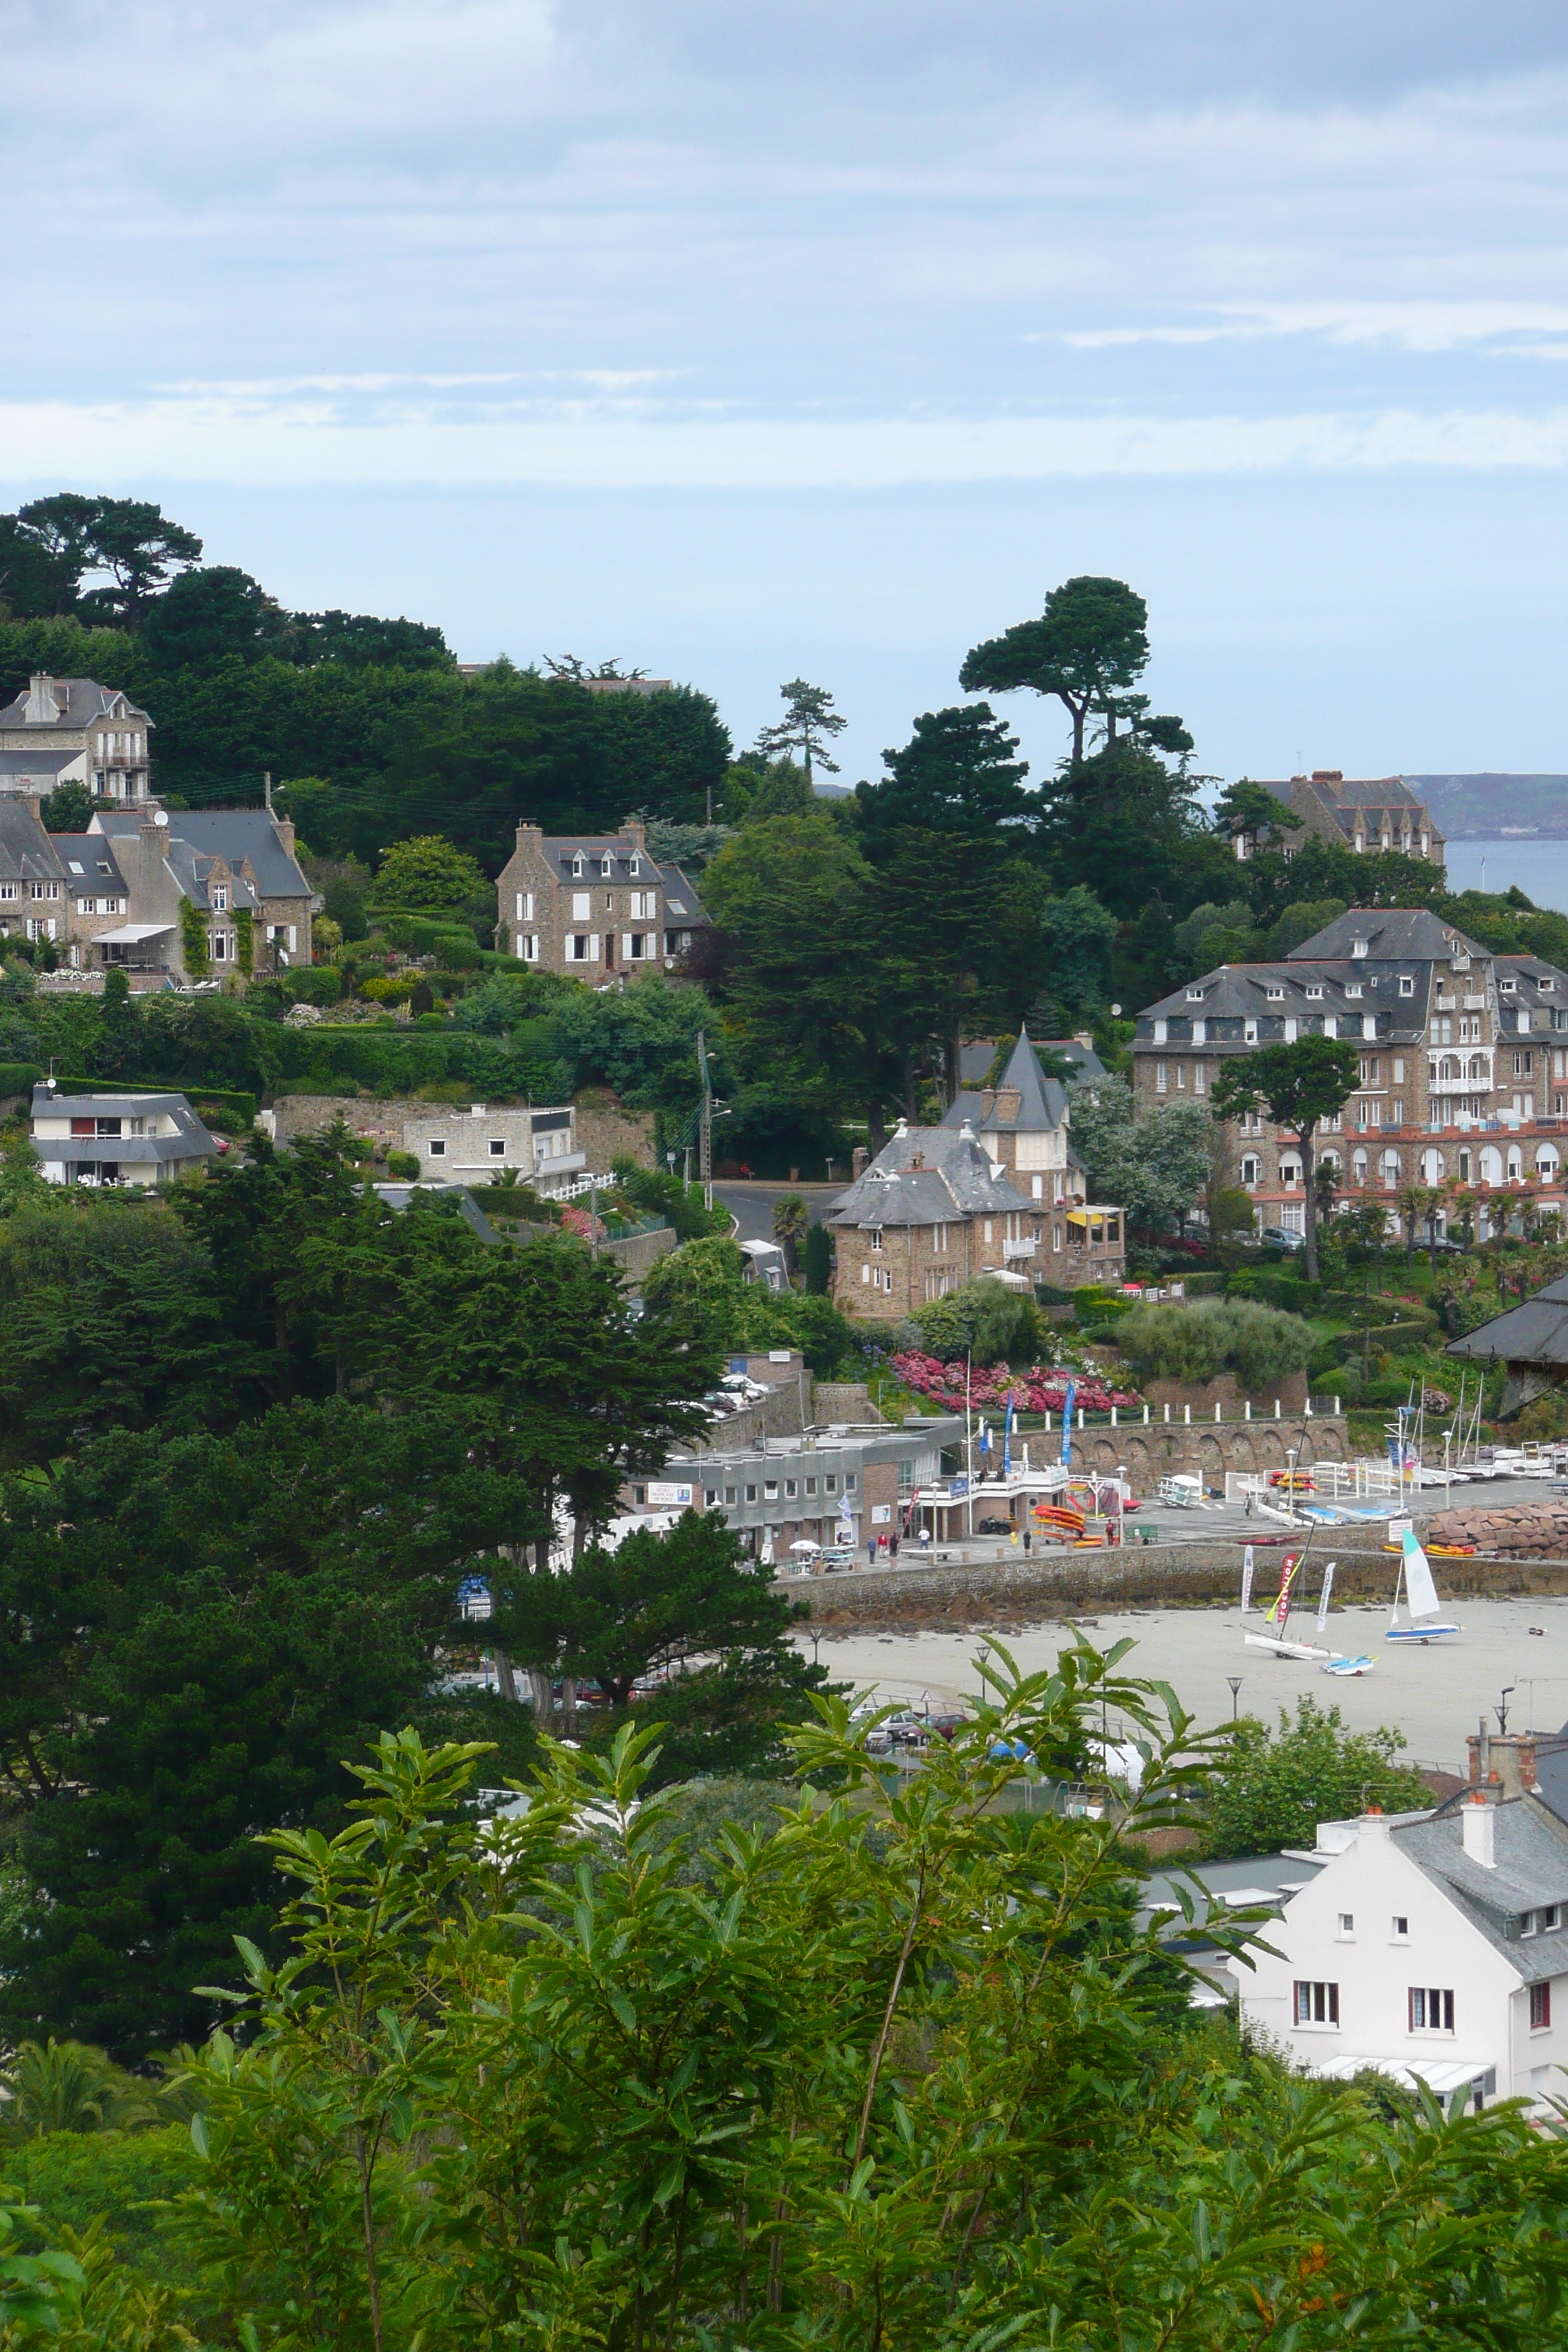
<point>957,1488</point>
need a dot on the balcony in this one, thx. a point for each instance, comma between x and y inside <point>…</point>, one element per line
<point>1020,1248</point>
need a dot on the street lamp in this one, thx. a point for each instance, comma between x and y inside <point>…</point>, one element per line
<point>814,1639</point>
<point>1234,1682</point>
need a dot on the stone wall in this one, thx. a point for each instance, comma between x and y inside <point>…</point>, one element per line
<point>1203,1395</point>
<point>1151,1451</point>
<point>638,1253</point>
<point>1521,1531</point>
<point>607,1131</point>
<point>777,1415</point>
<point>1058,1585</point>
<point>845,1401</point>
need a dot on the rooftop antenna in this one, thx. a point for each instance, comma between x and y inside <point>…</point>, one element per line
<point>1501,1711</point>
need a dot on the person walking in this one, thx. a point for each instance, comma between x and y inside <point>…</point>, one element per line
<point>1028,1540</point>
<point>871,1551</point>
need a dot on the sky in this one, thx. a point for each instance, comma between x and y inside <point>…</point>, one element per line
<point>743,344</point>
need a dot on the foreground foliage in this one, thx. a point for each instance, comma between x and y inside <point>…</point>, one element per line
<point>904,2072</point>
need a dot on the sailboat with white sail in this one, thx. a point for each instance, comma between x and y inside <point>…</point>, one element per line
<point>1422,1604</point>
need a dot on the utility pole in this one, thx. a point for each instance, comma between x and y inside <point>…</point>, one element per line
<point>705,1148</point>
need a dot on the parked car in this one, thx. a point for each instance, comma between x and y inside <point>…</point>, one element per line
<point>1282,1238</point>
<point>943,1727</point>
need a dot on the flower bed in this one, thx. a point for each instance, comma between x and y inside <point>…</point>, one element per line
<point>1040,1389</point>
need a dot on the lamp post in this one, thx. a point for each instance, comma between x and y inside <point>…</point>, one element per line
<point>1234,1682</point>
<point>814,1639</point>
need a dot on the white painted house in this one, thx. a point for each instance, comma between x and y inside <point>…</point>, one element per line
<point>1430,1945</point>
<point>475,1144</point>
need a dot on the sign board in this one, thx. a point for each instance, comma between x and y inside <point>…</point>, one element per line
<point>663,1493</point>
<point>881,1513</point>
<point>957,1488</point>
<point>779,1355</point>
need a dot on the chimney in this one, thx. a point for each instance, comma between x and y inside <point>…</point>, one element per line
<point>857,1159</point>
<point>987,1101</point>
<point>43,706</point>
<point>1509,1756</point>
<point>636,831</point>
<point>529,836</point>
<point>1084,1037</point>
<point>1479,1827</point>
<point>283,826</point>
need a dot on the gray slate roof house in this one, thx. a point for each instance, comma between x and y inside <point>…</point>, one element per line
<point>73,730</point>
<point>1531,1339</point>
<point>224,862</point>
<point>924,1176</point>
<point>120,1135</point>
<point>1529,1873</point>
<point>1368,815</point>
<point>32,878</point>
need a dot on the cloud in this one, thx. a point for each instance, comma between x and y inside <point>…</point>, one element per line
<point>1520,328</point>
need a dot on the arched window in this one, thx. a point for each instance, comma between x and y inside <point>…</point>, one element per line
<point>1289,1169</point>
<point>1249,1169</point>
<point>1388,1167</point>
<point>1515,1164</point>
<point>1331,1158</point>
<point>1546,1160</point>
<point>1358,1167</point>
<point>1491,1164</point>
<point>1464,1167</point>
<point>1432,1169</point>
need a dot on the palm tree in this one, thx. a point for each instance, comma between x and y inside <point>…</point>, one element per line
<point>68,2086</point>
<point>1409,1201</point>
<point>791,1220</point>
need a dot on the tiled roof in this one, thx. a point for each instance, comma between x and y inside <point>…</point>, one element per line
<point>94,855</point>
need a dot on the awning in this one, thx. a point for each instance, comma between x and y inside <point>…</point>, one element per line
<point>1081,1216</point>
<point>130,935</point>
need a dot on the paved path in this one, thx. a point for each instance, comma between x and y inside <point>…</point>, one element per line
<point>752,1204</point>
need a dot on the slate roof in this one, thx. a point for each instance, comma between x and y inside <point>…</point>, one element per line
<point>926,1176</point>
<point>1531,1871</point>
<point>95,856</point>
<point>85,701</point>
<point>44,759</point>
<point>230,833</point>
<point>27,853</point>
<point>1042,1101</point>
<point>559,851</point>
<point>50,1103</point>
<point>1390,933</point>
<point>1534,1333</point>
<point>1342,799</point>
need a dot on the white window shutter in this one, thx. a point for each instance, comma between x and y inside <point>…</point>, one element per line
<point>592,947</point>
<point>626,947</point>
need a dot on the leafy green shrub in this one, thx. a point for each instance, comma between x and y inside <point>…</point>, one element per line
<point>1285,1291</point>
<point>1096,1305</point>
<point>419,935</point>
<point>318,983</point>
<point>1347,1346</point>
<point>1206,1285</point>
<point>1047,1295</point>
<point>19,1077</point>
<point>983,1318</point>
<point>404,1166</point>
<point>388,988</point>
<point>1197,1343</point>
<point>70,2179</point>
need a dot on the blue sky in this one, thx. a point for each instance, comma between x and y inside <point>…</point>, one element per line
<point>740,343</point>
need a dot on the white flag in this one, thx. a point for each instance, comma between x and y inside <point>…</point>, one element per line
<point>1323,1596</point>
<point>1247,1579</point>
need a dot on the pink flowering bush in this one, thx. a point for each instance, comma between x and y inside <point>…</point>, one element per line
<point>1041,1389</point>
<point>578,1222</point>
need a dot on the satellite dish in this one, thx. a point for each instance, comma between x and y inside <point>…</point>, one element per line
<point>159,816</point>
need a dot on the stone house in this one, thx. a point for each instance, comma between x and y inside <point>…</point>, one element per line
<point>1370,816</point>
<point>73,731</point>
<point>1463,1060</point>
<point>33,897</point>
<point>222,860</point>
<point>935,1209</point>
<point>1023,1123</point>
<point>594,908</point>
<point>116,1137</point>
<point>98,900</point>
<point>475,1145</point>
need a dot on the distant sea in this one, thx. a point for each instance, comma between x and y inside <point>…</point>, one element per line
<point>1538,867</point>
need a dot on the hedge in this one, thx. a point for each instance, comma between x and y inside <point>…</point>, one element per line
<point>1093,1305</point>
<point>19,1077</point>
<point>1386,1339</point>
<point>221,1097</point>
<point>1206,1286</point>
<point>1357,1304</point>
<point>400,1061</point>
<point>1288,1291</point>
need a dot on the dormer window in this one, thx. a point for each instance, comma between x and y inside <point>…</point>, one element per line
<point>578,869</point>
<point>1276,994</point>
<point>1315,993</point>
<point>1547,987</point>
<point>1352,988</point>
<point>1358,947</point>
<point>1194,996</point>
<point>633,865</point>
<point>606,866</point>
<point>1506,987</point>
<point>220,898</point>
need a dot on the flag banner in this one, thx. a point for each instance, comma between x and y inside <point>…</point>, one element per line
<point>1246,1581</point>
<point>984,1435</point>
<point>1007,1440</point>
<point>1323,1596</point>
<point>1067,1420</point>
<point>1281,1610</point>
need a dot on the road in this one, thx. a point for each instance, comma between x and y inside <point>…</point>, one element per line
<point>752,1204</point>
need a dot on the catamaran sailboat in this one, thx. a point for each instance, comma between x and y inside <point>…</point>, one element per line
<point>1421,1601</point>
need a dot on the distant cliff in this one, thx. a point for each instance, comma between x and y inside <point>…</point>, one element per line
<point>1480,808</point>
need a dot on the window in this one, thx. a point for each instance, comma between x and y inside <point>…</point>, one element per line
<point>751,1494</point>
<point>729,1494</point>
<point>1506,987</point>
<point>7,889</point>
<point>876,1237</point>
<point>577,868</point>
<point>580,910</point>
<point>606,867</point>
<point>791,1489</point>
<point>1406,984</point>
<point>644,905</point>
<point>436,1146</point>
<point>1352,988</point>
<point>1317,2004</point>
<point>1249,1168</point>
<point>1194,996</point>
<point>1160,1080</point>
<point>811,1486</point>
<point>220,898</point>
<point>1347,1923</point>
<point>525,906</point>
<point>770,1490</point>
<point>1550,1918</point>
<point>220,946</point>
<point>1539,2008</point>
<point>850,1481</point>
<point>634,863</point>
<point>1315,993</point>
<point>906,1478</point>
<point>577,947</point>
<point>1199,1077</point>
<point>1431,2009</point>
<point>498,1147</point>
<point>1401,1928</point>
<point>1276,994</point>
<point>830,1483</point>
<point>525,947</point>
<point>609,902</point>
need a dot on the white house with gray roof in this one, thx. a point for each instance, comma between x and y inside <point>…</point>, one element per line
<point>595,906</point>
<point>1462,1060</point>
<point>116,1137</point>
<point>73,731</point>
<point>1431,1946</point>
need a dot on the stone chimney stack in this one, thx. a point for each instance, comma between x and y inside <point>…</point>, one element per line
<point>283,826</point>
<point>1478,1825</point>
<point>1509,1758</point>
<point>43,706</point>
<point>636,831</point>
<point>531,837</point>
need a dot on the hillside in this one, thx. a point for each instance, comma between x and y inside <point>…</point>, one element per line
<point>1478,808</point>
